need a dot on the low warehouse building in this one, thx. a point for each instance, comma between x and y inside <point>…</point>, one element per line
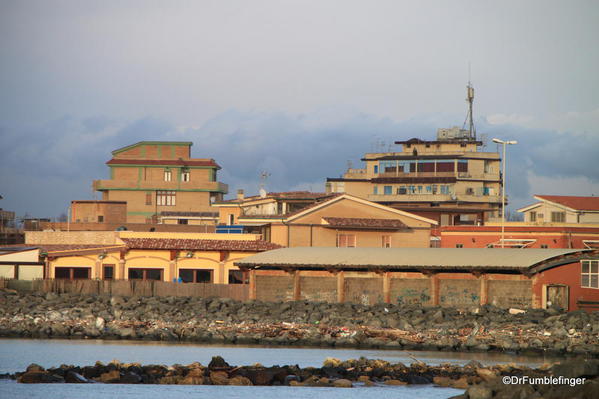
<point>524,278</point>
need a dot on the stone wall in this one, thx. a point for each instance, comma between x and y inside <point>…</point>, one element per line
<point>410,291</point>
<point>507,294</point>
<point>319,289</point>
<point>274,288</point>
<point>457,292</point>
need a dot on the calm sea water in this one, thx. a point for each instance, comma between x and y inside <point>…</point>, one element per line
<point>17,354</point>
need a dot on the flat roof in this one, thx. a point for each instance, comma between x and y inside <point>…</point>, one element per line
<point>405,258</point>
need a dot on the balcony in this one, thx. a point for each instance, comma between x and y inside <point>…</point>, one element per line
<point>435,198</point>
<point>152,185</point>
<point>458,175</point>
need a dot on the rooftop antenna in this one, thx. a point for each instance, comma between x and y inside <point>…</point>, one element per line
<point>469,118</point>
<point>263,177</point>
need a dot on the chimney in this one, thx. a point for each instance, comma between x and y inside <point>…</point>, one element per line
<point>240,195</point>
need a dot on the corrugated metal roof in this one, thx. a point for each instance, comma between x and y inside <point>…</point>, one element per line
<point>405,258</point>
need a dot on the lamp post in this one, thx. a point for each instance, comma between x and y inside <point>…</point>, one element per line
<point>503,142</point>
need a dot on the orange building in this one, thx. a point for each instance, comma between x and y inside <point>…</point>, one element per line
<point>521,235</point>
<point>98,211</point>
<point>159,176</point>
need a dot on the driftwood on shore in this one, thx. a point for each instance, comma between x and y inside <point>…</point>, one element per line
<point>576,378</point>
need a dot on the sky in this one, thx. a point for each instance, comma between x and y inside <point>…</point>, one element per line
<point>299,89</point>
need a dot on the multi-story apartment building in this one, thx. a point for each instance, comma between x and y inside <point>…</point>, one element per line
<point>448,179</point>
<point>158,176</point>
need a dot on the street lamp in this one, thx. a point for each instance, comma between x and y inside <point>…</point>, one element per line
<point>498,141</point>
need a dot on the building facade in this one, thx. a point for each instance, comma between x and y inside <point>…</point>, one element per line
<point>521,235</point>
<point>448,180</point>
<point>466,278</point>
<point>562,209</point>
<point>98,212</point>
<point>155,176</point>
<point>328,221</point>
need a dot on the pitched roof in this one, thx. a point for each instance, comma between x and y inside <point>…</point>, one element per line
<point>573,202</point>
<point>406,258</point>
<point>199,245</point>
<point>164,162</point>
<point>365,223</point>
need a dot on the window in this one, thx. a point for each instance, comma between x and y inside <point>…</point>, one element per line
<point>100,218</point>
<point>375,190</point>
<point>590,274</point>
<point>148,198</point>
<point>386,241</point>
<point>238,277</point>
<point>166,198</point>
<point>182,221</point>
<point>195,275</point>
<point>376,169</point>
<point>462,165</point>
<point>459,245</point>
<point>402,190</point>
<point>72,273</point>
<point>168,175</point>
<point>346,240</point>
<point>185,175</point>
<point>533,216</point>
<point>145,274</point>
<point>558,217</point>
<point>108,272</point>
<point>388,190</point>
<point>231,220</point>
<point>544,246</point>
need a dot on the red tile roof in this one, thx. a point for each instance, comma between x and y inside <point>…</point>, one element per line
<point>166,162</point>
<point>366,223</point>
<point>199,245</point>
<point>578,203</point>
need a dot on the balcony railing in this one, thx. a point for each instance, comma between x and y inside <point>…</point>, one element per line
<point>99,185</point>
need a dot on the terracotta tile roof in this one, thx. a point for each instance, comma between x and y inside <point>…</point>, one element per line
<point>319,202</point>
<point>199,245</point>
<point>56,248</point>
<point>166,162</point>
<point>578,203</point>
<point>366,223</point>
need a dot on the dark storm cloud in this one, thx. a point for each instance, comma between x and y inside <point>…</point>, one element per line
<point>43,168</point>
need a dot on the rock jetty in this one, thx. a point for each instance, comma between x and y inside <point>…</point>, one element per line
<point>300,323</point>
<point>478,381</point>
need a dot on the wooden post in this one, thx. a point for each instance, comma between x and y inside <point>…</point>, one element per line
<point>252,284</point>
<point>297,287</point>
<point>387,287</point>
<point>341,287</point>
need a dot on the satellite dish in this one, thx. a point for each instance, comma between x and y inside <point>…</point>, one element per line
<point>262,193</point>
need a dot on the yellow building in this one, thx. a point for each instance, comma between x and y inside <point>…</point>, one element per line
<point>328,221</point>
<point>189,257</point>
<point>448,180</point>
<point>160,176</point>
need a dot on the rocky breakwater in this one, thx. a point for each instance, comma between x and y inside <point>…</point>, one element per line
<point>213,320</point>
<point>479,382</point>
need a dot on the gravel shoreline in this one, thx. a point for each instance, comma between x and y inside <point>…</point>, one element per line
<point>301,323</point>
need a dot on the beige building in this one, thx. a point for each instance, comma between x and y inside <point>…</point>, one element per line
<point>562,209</point>
<point>98,211</point>
<point>448,180</point>
<point>160,176</point>
<point>21,263</point>
<point>328,221</point>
